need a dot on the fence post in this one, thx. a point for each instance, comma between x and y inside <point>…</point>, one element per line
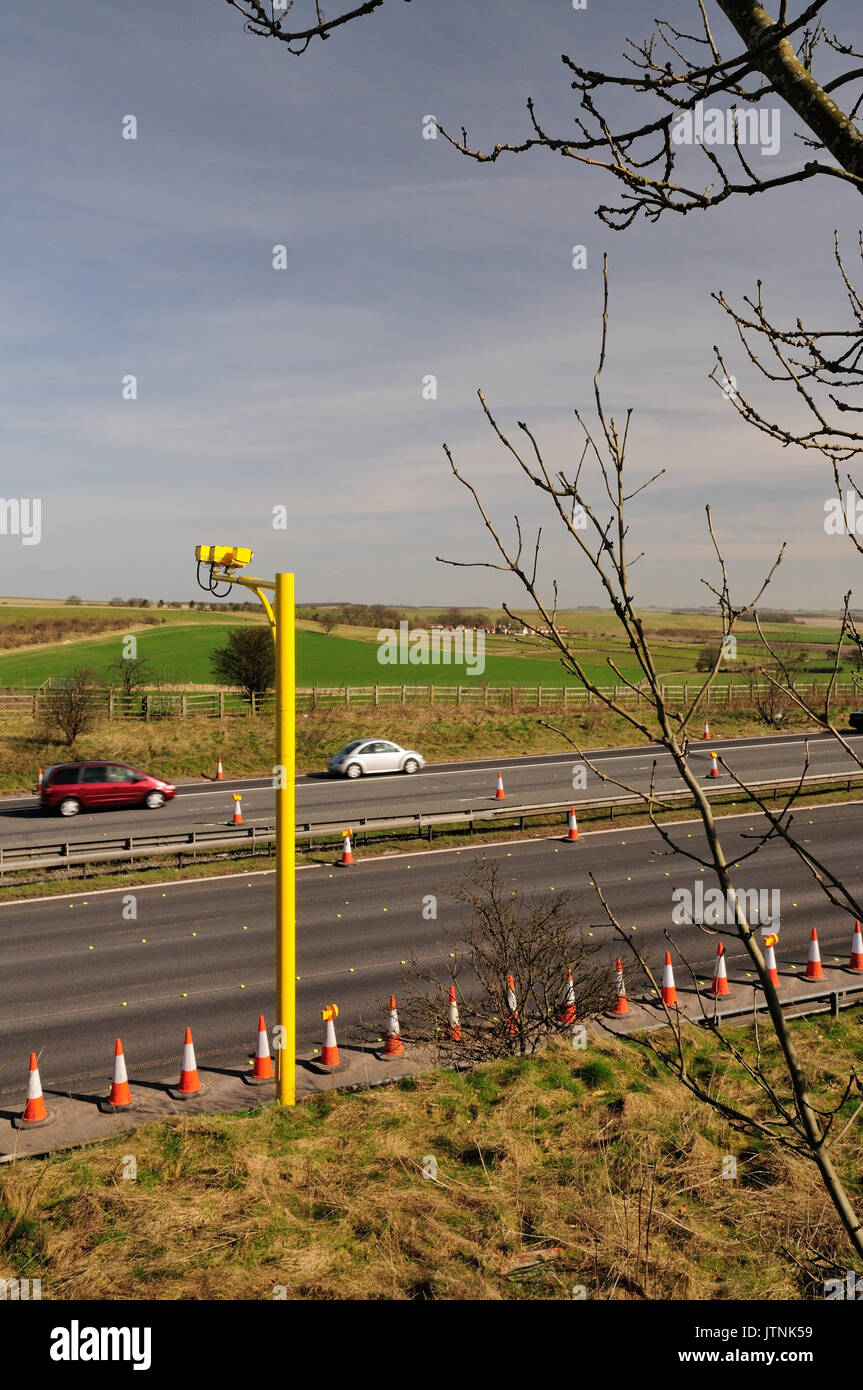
<point>347,695</point>
<point>539,697</point>
<point>184,704</point>
<point>254,704</point>
<point>404,694</point>
<point>458,696</point>
<point>221,704</point>
<point>376,694</point>
<point>110,704</point>
<point>431,692</point>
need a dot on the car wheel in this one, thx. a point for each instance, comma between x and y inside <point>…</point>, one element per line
<point>154,800</point>
<point>411,766</point>
<point>69,806</point>
<point>353,770</point>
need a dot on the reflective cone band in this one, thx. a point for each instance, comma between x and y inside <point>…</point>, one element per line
<point>770,962</point>
<point>621,1007</point>
<point>120,1097</point>
<point>35,1112</point>
<point>189,1083</point>
<point>669,992</point>
<point>393,1047</point>
<point>511,1006</point>
<point>813,964</point>
<point>263,1068</point>
<point>330,1052</point>
<point>720,976</point>
<point>453,1030</point>
<point>566,1012</point>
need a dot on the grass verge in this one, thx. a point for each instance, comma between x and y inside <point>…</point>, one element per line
<point>598,1153</point>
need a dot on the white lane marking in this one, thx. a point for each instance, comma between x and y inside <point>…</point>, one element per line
<point>416,854</point>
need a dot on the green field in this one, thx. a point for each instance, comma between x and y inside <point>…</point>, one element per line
<point>180,643</point>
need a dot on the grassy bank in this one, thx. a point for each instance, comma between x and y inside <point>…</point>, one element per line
<point>597,1152</point>
<point>190,747</point>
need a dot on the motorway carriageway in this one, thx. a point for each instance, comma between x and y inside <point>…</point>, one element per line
<point>442,787</point>
<point>75,972</point>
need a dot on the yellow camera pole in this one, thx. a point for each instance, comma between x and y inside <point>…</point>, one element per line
<point>286,911</point>
<point>223,562</point>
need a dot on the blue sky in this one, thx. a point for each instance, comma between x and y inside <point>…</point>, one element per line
<point>303,387</point>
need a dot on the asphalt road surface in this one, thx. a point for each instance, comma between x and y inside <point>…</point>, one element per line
<point>75,972</point>
<point>529,780</point>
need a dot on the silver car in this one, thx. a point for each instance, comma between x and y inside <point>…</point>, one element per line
<point>367,755</point>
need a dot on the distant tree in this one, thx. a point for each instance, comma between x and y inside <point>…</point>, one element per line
<point>707,657</point>
<point>131,673</point>
<point>70,709</point>
<point>74,599</point>
<point>117,603</point>
<point>329,619</point>
<point>248,660</point>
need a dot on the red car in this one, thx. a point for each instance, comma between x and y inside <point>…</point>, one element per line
<point>73,787</point>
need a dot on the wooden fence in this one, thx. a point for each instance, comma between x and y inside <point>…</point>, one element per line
<point>223,704</point>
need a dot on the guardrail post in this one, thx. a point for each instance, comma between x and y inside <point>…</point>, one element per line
<point>834,1003</point>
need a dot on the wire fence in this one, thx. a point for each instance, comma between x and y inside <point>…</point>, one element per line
<point>181,703</point>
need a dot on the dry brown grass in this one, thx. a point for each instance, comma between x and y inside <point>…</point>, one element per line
<point>591,1151</point>
<point>189,747</point>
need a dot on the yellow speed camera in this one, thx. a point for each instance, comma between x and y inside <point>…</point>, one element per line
<point>224,556</point>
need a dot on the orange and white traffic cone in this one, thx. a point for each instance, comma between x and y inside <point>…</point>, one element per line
<point>706,733</point>
<point>347,853</point>
<point>453,1028</point>
<point>238,809</point>
<point>511,1006</point>
<point>856,961</point>
<point>714,766</point>
<point>189,1084</point>
<point>669,991</point>
<point>39,780</point>
<point>720,975</point>
<point>621,1007</point>
<point>35,1112</point>
<point>813,963</point>
<point>263,1067</point>
<point>393,1047</point>
<point>220,776</point>
<point>770,959</point>
<point>330,1051</point>
<point>500,793</point>
<point>572,825</point>
<point>120,1097</point>
<point>566,1010</point>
